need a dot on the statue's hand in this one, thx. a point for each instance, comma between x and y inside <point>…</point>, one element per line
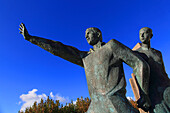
<point>144,103</point>
<point>23,31</point>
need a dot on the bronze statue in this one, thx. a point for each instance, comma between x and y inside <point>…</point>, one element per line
<point>103,67</point>
<point>159,83</point>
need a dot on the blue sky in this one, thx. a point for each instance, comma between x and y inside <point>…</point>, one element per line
<point>30,70</point>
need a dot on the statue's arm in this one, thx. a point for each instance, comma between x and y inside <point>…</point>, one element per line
<point>66,52</point>
<point>161,60</point>
<point>140,67</point>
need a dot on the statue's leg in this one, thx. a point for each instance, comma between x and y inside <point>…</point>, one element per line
<point>101,104</point>
<point>164,106</point>
<point>166,96</point>
<point>122,105</point>
<point>110,104</point>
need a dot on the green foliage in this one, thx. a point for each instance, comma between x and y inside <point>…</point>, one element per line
<point>51,106</point>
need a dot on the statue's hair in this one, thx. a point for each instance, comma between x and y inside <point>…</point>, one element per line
<point>95,30</point>
<point>147,29</point>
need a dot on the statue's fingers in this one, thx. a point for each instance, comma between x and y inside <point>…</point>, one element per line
<point>23,24</point>
<point>20,26</point>
<point>20,29</point>
<point>20,32</point>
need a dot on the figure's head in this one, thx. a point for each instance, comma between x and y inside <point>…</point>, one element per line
<point>145,34</point>
<point>93,35</point>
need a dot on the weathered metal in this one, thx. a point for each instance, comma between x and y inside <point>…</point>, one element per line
<point>159,83</point>
<point>103,67</point>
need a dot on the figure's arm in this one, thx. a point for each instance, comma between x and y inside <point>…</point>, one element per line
<point>161,60</point>
<point>68,53</point>
<point>140,67</point>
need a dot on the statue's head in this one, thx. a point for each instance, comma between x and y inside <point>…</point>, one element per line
<point>145,34</point>
<point>93,35</point>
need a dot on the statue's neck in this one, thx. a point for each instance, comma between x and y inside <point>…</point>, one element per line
<point>97,46</point>
<point>146,46</point>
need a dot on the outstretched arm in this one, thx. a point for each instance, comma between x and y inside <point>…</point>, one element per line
<point>68,53</point>
<point>140,67</point>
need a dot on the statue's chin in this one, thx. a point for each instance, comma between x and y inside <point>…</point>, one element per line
<point>90,43</point>
<point>145,42</point>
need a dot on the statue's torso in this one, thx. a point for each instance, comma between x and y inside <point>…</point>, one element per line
<point>159,80</point>
<point>106,82</point>
<point>103,71</point>
<point>154,59</point>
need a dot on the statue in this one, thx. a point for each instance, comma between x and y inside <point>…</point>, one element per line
<point>103,67</point>
<point>159,83</point>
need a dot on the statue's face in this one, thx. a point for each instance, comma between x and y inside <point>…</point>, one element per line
<point>145,35</point>
<point>92,37</point>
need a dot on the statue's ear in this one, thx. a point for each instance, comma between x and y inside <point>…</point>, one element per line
<point>151,35</point>
<point>98,34</point>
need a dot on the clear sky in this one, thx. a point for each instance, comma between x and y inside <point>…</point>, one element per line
<point>28,73</point>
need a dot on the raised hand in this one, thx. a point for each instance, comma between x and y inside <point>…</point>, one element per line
<point>23,31</point>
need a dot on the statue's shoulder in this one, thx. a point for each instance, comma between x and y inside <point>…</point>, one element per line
<point>118,46</point>
<point>113,42</point>
<point>139,49</point>
<point>156,51</point>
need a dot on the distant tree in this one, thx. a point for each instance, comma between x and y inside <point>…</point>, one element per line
<point>34,107</point>
<point>26,110</point>
<point>51,106</point>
